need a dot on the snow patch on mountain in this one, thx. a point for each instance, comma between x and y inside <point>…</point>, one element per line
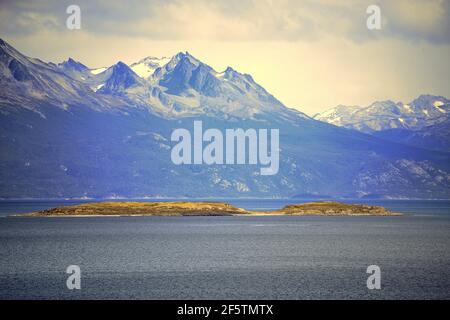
<point>147,66</point>
<point>115,125</point>
<point>98,70</point>
<point>424,111</point>
<point>183,86</point>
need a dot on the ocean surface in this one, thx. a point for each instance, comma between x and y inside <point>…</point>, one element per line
<point>227,257</point>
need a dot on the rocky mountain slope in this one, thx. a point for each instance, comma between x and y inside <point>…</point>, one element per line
<point>68,131</point>
<point>424,111</point>
<point>424,122</point>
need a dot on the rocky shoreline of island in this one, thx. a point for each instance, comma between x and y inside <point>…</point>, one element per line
<point>207,208</point>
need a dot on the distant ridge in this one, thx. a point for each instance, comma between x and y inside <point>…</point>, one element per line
<point>424,122</point>
<point>71,132</point>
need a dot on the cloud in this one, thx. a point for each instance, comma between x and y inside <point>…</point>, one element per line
<point>419,20</point>
<point>237,20</point>
<point>27,22</point>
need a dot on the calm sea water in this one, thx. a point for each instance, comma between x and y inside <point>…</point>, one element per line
<point>227,257</point>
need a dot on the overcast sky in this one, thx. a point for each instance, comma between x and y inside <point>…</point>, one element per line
<point>312,55</point>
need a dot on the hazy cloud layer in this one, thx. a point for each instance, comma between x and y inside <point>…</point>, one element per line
<point>317,38</point>
<point>232,20</point>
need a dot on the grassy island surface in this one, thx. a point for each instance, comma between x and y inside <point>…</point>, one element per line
<point>187,208</point>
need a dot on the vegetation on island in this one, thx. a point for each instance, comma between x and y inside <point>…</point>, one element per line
<point>205,208</point>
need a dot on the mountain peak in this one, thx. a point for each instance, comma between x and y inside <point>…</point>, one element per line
<point>121,69</point>
<point>6,45</point>
<point>121,65</point>
<point>148,58</point>
<point>9,50</point>
<point>230,70</point>
<point>185,56</point>
<point>122,77</point>
<point>424,99</point>
<point>182,54</point>
<point>147,66</point>
<point>232,73</point>
<point>425,110</point>
<point>73,64</point>
<point>152,60</point>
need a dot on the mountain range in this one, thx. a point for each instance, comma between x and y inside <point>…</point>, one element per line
<point>69,131</point>
<point>424,122</point>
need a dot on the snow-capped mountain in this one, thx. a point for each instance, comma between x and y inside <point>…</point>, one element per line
<point>120,79</point>
<point>422,112</point>
<point>423,122</point>
<point>73,67</point>
<point>146,67</point>
<point>183,86</point>
<point>31,83</point>
<point>186,87</point>
<point>71,131</point>
<point>339,115</point>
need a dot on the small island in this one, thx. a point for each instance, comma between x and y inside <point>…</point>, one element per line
<point>205,208</point>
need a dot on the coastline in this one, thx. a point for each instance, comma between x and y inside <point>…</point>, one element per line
<point>186,208</point>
